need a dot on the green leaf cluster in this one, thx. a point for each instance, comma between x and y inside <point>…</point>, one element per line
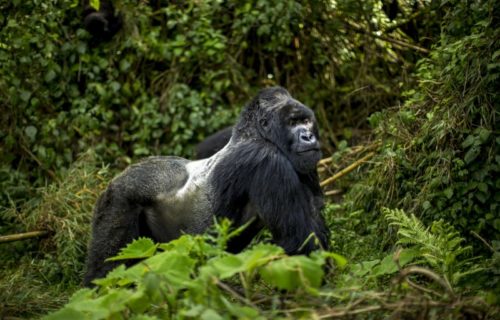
<point>189,277</point>
<point>440,150</point>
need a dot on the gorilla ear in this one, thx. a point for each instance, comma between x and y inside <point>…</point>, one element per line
<point>264,123</point>
<point>263,117</point>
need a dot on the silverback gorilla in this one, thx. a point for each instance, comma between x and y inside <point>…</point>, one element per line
<point>265,174</point>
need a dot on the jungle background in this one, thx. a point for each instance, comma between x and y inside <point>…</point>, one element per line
<point>406,95</point>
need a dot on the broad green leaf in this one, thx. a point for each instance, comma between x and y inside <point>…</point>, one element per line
<point>183,244</point>
<point>341,261</point>
<point>96,4</point>
<point>240,312</point>
<point>472,154</point>
<point>228,266</point>
<point>362,268</point>
<point>138,249</point>
<point>469,141</point>
<point>448,192</point>
<point>483,134</point>
<point>293,272</point>
<point>104,307</point>
<point>260,255</point>
<point>139,301</point>
<point>66,313</point>
<point>174,266</point>
<point>31,132</point>
<point>118,276</point>
<point>50,75</point>
<point>246,261</point>
<point>389,266</point>
<point>210,314</point>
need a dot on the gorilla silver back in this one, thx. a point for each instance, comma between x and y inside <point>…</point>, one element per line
<point>185,209</point>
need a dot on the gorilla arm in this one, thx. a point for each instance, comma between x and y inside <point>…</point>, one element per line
<point>288,207</point>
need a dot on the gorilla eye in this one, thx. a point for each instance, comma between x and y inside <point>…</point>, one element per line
<point>298,120</point>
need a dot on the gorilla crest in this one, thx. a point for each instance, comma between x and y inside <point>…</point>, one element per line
<point>265,175</point>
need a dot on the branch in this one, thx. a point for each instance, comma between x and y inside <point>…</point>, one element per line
<point>348,169</point>
<point>325,161</point>
<point>332,192</point>
<point>22,236</point>
<point>483,240</point>
<point>429,274</point>
<point>401,43</point>
<point>354,150</point>
<point>235,294</point>
<point>400,23</point>
<point>342,313</point>
<point>360,29</point>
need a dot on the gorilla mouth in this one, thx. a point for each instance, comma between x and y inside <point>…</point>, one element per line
<point>308,150</point>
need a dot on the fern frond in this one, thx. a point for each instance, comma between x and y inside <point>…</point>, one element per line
<point>440,245</point>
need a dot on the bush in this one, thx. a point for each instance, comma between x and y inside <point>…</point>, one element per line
<point>175,73</point>
<point>440,154</point>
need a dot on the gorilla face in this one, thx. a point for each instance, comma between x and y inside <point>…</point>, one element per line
<point>301,135</point>
<point>291,127</point>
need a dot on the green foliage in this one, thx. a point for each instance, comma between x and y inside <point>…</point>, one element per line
<point>440,245</point>
<point>175,73</point>
<point>139,249</point>
<point>193,277</point>
<point>439,158</point>
<point>38,275</point>
<point>186,280</point>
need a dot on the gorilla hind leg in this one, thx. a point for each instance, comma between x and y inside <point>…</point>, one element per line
<point>116,223</point>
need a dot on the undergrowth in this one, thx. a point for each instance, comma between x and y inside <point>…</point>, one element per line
<point>193,277</point>
<point>439,157</point>
<point>39,274</point>
<point>434,255</point>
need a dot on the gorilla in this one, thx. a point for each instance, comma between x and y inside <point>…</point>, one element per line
<point>264,177</point>
<point>102,24</point>
<point>213,143</point>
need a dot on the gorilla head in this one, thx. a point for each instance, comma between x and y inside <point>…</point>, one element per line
<point>102,24</point>
<point>276,117</point>
<point>266,175</point>
<point>293,126</point>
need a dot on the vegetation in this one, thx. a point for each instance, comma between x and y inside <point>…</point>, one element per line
<point>414,84</point>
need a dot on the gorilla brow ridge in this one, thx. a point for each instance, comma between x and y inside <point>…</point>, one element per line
<point>273,98</point>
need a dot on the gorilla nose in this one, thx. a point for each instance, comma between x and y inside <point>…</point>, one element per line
<point>307,137</point>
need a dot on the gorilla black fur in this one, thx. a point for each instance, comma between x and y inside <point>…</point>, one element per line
<point>266,173</point>
<point>102,24</point>
<point>213,143</point>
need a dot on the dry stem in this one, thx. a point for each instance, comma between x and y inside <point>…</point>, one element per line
<point>22,236</point>
<point>348,169</point>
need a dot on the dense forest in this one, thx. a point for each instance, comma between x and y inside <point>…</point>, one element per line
<point>405,93</point>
